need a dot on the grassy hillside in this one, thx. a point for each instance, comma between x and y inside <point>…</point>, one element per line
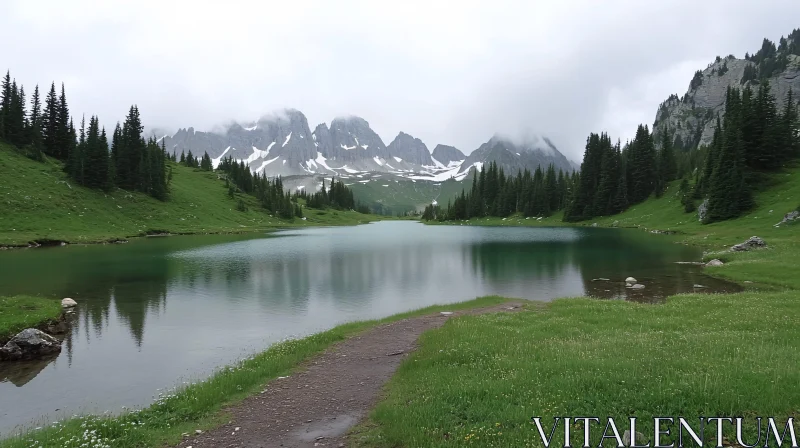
<point>38,202</point>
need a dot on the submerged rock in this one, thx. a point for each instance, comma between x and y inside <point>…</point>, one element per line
<point>715,262</point>
<point>30,344</point>
<point>752,243</point>
<point>68,303</point>
<point>637,286</point>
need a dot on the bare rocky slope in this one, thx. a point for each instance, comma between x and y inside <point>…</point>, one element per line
<point>690,119</point>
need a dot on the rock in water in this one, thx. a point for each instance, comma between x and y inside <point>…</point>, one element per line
<point>29,344</point>
<point>68,303</point>
<point>752,243</point>
<point>637,286</point>
<point>702,210</point>
<point>715,262</point>
<point>630,280</point>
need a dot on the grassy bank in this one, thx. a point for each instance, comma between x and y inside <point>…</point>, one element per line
<point>479,379</point>
<point>40,203</point>
<point>20,312</point>
<point>198,405</point>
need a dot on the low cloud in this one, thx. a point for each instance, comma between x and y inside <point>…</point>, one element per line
<point>446,74</point>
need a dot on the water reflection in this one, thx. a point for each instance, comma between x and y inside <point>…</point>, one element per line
<point>154,312</point>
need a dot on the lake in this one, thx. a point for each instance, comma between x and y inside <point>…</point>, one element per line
<point>157,312</point>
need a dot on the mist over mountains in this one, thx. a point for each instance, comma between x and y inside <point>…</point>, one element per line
<point>283,144</point>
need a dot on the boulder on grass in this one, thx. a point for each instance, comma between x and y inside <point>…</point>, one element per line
<point>715,262</point>
<point>753,242</point>
<point>29,344</point>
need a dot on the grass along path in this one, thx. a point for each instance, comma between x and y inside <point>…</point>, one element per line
<point>20,312</point>
<point>40,203</point>
<point>479,380</point>
<point>199,406</point>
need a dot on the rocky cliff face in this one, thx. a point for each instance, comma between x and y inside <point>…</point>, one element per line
<point>410,149</point>
<point>445,154</point>
<point>352,140</point>
<point>690,119</point>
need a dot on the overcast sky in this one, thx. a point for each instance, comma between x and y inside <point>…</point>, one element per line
<point>452,72</point>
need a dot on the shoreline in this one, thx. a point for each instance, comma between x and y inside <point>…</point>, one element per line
<point>209,417</point>
<point>50,243</point>
<point>227,386</point>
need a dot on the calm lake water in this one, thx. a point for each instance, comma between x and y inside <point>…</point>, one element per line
<point>159,311</point>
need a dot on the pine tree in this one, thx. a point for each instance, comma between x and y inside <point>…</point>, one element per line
<point>729,195</point>
<point>131,152</point>
<point>35,127</point>
<point>15,118</point>
<point>5,103</point>
<point>685,195</point>
<point>667,163</point>
<point>76,162</point>
<point>581,206</point>
<point>205,163</point>
<point>116,141</point>
<point>609,178</point>
<point>65,140</point>
<point>642,166</point>
<point>551,189</point>
<point>50,127</point>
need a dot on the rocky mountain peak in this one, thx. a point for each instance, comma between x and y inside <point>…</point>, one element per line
<point>445,154</point>
<point>352,139</point>
<point>410,149</point>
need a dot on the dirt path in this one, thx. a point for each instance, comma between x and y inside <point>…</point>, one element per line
<point>332,392</point>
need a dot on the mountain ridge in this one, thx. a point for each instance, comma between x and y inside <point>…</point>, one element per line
<point>283,144</point>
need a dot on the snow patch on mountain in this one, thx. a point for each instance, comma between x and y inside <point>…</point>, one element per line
<point>288,137</point>
<point>265,163</point>
<point>322,161</point>
<point>215,162</point>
